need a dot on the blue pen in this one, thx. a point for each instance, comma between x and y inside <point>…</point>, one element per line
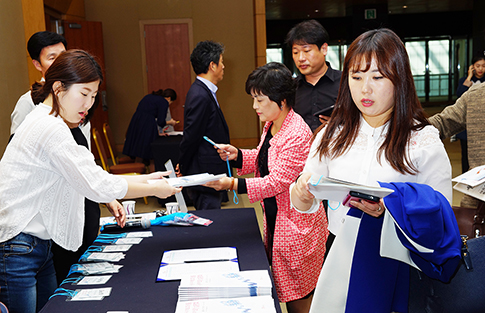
<point>235,199</point>
<point>213,143</point>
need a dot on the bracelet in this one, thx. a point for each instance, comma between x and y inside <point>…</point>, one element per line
<point>232,184</point>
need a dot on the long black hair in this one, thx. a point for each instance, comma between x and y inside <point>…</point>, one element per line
<point>384,46</point>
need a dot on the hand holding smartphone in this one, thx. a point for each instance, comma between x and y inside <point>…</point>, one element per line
<point>357,196</point>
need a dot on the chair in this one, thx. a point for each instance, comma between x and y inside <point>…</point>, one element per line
<point>120,169</point>
<point>112,147</point>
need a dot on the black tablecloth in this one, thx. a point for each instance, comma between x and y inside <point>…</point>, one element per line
<point>135,288</point>
<point>165,148</point>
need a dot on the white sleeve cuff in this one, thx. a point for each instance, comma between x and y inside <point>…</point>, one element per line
<point>312,209</point>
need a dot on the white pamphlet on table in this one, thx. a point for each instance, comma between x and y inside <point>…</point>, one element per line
<point>179,263</point>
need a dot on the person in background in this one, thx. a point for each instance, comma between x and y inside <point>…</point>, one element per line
<point>379,135</point>
<point>318,82</point>
<point>170,95</point>
<point>467,114</point>
<point>475,77</point>
<point>44,177</point>
<point>294,242</point>
<point>43,48</point>
<point>203,117</point>
<point>143,129</point>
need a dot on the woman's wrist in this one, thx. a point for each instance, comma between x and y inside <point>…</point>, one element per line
<point>231,186</point>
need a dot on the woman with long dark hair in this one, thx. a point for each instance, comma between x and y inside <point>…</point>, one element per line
<point>45,176</point>
<point>377,135</point>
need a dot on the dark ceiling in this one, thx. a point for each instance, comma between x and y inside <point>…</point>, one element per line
<point>304,9</point>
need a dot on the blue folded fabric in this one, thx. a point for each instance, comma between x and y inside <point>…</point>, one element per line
<point>427,218</point>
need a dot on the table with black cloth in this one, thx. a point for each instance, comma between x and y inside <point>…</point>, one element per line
<point>165,148</point>
<point>135,288</point>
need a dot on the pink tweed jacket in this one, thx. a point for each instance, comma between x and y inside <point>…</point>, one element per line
<point>299,239</point>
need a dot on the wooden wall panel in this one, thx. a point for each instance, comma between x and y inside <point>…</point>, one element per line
<point>167,54</point>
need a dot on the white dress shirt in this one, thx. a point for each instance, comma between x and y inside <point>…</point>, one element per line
<point>360,165</point>
<point>212,87</point>
<point>44,177</point>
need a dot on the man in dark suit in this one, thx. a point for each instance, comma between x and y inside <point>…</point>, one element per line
<point>203,117</point>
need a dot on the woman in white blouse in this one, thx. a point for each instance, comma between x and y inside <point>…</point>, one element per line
<point>45,176</point>
<point>378,132</point>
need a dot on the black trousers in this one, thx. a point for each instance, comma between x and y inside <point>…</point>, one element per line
<point>205,200</point>
<point>63,259</point>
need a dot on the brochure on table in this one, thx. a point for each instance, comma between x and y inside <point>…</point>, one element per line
<point>244,291</point>
<point>336,190</point>
<point>263,304</point>
<point>203,286</point>
<point>179,263</point>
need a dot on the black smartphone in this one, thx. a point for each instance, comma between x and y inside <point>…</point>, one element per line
<point>357,196</point>
<point>327,111</point>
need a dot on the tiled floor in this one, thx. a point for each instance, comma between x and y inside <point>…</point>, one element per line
<point>453,149</point>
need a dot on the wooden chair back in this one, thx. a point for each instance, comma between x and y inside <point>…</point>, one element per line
<point>111,143</point>
<point>101,150</point>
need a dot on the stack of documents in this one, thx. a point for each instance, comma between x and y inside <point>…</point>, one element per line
<point>263,304</point>
<point>225,285</point>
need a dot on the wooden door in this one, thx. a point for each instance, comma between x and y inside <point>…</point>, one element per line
<point>167,49</point>
<point>88,36</point>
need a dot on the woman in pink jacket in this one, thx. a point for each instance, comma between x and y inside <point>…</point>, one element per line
<point>295,243</point>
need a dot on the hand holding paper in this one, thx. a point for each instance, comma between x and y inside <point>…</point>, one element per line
<point>301,197</point>
<point>222,184</point>
<point>189,180</point>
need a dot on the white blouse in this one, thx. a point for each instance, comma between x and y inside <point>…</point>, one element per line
<point>44,177</point>
<point>360,165</point>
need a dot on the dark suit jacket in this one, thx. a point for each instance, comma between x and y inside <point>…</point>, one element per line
<point>202,117</point>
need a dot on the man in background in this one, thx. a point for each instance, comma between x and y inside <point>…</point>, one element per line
<point>43,48</point>
<point>318,83</point>
<point>203,117</point>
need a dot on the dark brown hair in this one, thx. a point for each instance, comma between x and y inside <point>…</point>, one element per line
<point>70,67</point>
<point>387,49</point>
<point>275,81</point>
